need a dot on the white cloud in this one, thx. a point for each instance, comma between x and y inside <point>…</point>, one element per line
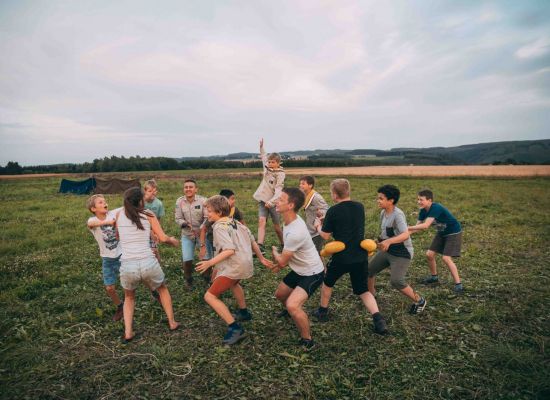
<point>538,48</point>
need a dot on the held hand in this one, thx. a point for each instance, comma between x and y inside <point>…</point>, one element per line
<point>266,263</point>
<point>384,245</point>
<point>203,266</point>
<point>172,241</point>
<point>268,205</point>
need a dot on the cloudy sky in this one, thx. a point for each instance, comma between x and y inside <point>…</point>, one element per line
<point>86,79</point>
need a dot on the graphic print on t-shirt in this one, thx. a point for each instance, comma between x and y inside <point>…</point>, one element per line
<point>109,236</point>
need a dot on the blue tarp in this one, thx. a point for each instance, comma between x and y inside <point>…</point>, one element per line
<point>77,187</point>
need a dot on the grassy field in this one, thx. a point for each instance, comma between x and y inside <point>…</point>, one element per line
<point>57,339</point>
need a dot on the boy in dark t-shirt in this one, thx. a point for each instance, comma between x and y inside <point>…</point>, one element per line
<point>447,241</point>
<point>345,222</point>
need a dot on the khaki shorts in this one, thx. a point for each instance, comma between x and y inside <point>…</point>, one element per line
<point>146,270</point>
<point>447,245</point>
<point>264,212</point>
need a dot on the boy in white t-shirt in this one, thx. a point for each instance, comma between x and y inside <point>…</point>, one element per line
<point>102,227</point>
<point>300,254</point>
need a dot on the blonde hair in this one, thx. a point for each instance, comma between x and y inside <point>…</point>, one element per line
<point>274,156</point>
<point>219,204</point>
<point>340,187</point>
<point>90,203</point>
<point>150,183</point>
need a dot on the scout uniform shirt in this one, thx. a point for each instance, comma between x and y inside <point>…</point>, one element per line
<point>232,235</point>
<point>190,216</point>
<point>314,202</point>
<point>272,183</point>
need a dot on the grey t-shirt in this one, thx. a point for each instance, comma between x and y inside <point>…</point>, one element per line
<point>392,225</point>
<point>306,260</point>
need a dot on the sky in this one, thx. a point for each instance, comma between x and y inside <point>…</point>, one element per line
<point>88,79</point>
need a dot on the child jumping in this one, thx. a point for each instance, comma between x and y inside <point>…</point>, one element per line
<point>234,244</point>
<point>447,241</point>
<point>102,227</point>
<point>267,194</point>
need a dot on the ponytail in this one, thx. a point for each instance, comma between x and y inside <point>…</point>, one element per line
<point>133,206</point>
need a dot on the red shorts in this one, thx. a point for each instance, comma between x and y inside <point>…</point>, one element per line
<point>222,284</point>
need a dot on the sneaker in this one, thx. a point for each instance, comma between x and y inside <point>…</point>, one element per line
<point>430,280</point>
<point>119,313</point>
<point>233,335</point>
<point>418,307</point>
<point>380,326</point>
<point>307,344</point>
<point>458,289</point>
<point>321,316</point>
<point>283,314</point>
<point>242,315</point>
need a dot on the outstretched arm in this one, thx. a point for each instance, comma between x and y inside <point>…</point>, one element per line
<point>421,225</point>
<point>281,259</point>
<point>222,255</point>
<point>157,230</point>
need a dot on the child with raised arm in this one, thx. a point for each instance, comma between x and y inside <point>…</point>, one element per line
<point>395,247</point>
<point>447,241</point>
<point>102,227</point>
<point>233,243</point>
<point>268,192</point>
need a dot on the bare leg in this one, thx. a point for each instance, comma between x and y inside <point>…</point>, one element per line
<point>370,302</point>
<point>238,293</point>
<point>129,304</point>
<point>261,229</point>
<point>452,268</point>
<point>431,262</point>
<point>111,292</point>
<point>188,270</point>
<point>370,283</point>
<point>326,292</point>
<point>410,293</point>
<point>294,305</point>
<point>220,307</point>
<point>282,293</point>
<point>166,301</point>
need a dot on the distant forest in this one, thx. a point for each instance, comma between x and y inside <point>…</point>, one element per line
<point>518,152</point>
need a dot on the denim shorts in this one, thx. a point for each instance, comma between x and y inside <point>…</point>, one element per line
<point>111,270</point>
<point>146,270</point>
<point>264,212</point>
<point>188,247</point>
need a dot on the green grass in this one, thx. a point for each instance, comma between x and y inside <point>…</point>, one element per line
<point>57,339</point>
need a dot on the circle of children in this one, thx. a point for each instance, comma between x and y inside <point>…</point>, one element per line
<point>128,238</point>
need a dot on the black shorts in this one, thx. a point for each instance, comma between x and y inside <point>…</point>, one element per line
<point>447,245</point>
<point>358,273</point>
<point>308,283</point>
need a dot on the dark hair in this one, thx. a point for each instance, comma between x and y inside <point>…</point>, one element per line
<point>428,194</point>
<point>310,180</point>
<point>133,206</point>
<point>190,180</point>
<point>296,197</point>
<point>391,192</point>
<point>227,193</point>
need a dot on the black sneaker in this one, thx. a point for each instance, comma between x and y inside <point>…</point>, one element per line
<point>307,344</point>
<point>430,280</point>
<point>418,307</point>
<point>242,315</point>
<point>283,314</point>
<point>321,316</point>
<point>458,289</point>
<point>233,335</point>
<point>380,326</point>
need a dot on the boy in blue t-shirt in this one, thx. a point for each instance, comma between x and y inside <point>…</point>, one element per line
<point>447,241</point>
